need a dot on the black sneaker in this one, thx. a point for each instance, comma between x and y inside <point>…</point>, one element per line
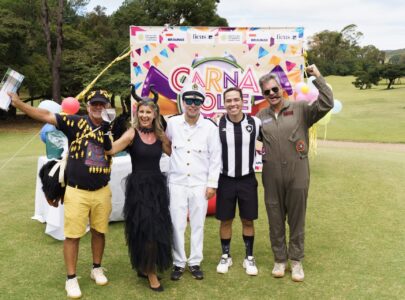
<point>196,272</point>
<point>176,273</point>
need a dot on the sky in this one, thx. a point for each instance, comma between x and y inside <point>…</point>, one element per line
<point>381,21</point>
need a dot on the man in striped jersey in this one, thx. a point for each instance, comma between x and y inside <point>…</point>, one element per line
<point>237,182</point>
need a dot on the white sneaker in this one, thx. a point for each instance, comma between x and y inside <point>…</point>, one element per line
<point>278,269</point>
<point>249,264</point>
<point>73,289</point>
<point>297,271</point>
<point>97,274</point>
<point>224,264</point>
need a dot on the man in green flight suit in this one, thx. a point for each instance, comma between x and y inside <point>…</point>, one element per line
<point>285,174</point>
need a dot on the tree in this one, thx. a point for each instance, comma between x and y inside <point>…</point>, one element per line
<point>392,72</point>
<point>54,58</point>
<point>369,61</point>
<point>172,12</point>
<point>335,53</point>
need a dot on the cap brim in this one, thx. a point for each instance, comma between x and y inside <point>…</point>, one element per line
<point>193,95</point>
<point>99,100</point>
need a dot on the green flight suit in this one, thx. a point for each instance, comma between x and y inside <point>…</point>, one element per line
<point>286,168</point>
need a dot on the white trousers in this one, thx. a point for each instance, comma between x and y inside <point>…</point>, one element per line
<point>183,200</point>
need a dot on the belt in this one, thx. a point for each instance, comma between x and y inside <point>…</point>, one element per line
<point>76,186</point>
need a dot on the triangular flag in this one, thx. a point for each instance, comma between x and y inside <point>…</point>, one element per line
<point>164,53</point>
<point>293,49</point>
<point>156,61</point>
<point>146,65</point>
<point>139,51</point>
<point>290,65</point>
<point>262,52</point>
<point>300,31</point>
<point>138,70</point>
<point>274,60</point>
<point>282,47</point>
<point>137,85</point>
<point>172,46</point>
<point>146,48</point>
<point>250,46</point>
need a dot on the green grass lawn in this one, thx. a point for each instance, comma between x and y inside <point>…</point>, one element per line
<point>374,115</point>
<point>354,237</point>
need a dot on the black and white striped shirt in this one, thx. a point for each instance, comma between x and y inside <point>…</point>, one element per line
<point>238,142</point>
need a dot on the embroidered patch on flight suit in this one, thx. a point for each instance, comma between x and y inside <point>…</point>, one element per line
<point>300,146</point>
<point>267,120</point>
<point>288,113</point>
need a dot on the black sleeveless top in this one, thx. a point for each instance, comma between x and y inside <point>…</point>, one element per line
<point>145,157</point>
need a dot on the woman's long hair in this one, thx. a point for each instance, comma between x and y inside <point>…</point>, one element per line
<point>152,103</point>
<point>156,123</point>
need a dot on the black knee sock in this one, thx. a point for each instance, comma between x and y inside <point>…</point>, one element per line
<point>249,244</point>
<point>226,246</point>
<point>71,276</point>
<point>96,265</point>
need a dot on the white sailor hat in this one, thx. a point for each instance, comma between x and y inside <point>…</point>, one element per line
<point>192,91</point>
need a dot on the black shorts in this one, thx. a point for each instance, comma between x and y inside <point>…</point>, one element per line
<point>242,190</point>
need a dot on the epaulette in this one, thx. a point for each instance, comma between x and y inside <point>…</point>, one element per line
<point>179,114</point>
<point>213,122</point>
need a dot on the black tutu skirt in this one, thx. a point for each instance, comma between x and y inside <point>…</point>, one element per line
<point>148,227</point>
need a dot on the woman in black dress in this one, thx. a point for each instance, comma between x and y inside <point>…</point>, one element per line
<point>146,210</point>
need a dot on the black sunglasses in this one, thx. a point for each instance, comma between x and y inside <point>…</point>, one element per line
<point>197,102</point>
<point>273,89</point>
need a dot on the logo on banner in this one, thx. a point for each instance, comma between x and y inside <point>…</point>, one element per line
<point>178,37</point>
<point>202,38</point>
<point>230,37</point>
<point>146,37</point>
<point>286,38</point>
<point>257,37</point>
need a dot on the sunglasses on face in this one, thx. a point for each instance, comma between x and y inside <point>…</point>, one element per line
<point>273,89</point>
<point>196,102</point>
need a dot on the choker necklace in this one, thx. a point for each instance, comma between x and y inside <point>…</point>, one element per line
<point>145,130</point>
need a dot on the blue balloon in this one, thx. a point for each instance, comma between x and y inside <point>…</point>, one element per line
<point>46,128</point>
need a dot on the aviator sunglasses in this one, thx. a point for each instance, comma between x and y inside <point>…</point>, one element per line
<point>273,89</point>
<point>197,102</point>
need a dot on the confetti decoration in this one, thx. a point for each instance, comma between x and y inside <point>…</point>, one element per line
<point>282,47</point>
<point>250,46</point>
<point>137,70</point>
<point>146,65</point>
<point>164,53</point>
<point>172,46</point>
<point>146,48</point>
<point>290,65</point>
<point>262,52</point>
<point>274,60</point>
<point>156,61</point>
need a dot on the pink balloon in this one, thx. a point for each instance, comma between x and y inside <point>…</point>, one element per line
<point>299,86</point>
<point>301,97</point>
<point>313,94</point>
<point>70,105</point>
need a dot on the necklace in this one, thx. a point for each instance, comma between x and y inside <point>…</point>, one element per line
<point>146,130</point>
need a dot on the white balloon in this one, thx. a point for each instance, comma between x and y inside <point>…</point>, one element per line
<point>310,83</point>
<point>337,106</point>
<point>51,106</point>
